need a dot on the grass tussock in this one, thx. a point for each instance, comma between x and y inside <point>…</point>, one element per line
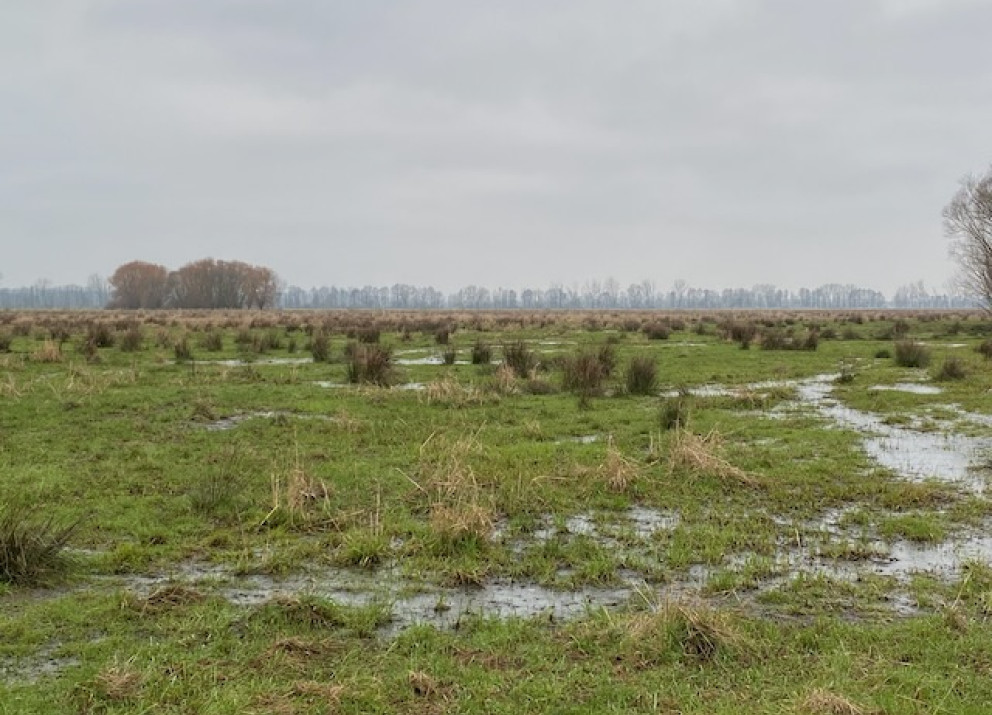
<point>823,702</point>
<point>618,472</point>
<point>700,454</point>
<point>641,377</point>
<point>909,353</point>
<point>297,497</point>
<point>370,364</point>
<point>521,359</point>
<point>460,509</point>
<point>504,381</point>
<point>166,598</point>
<point>584,373</point>
<point>32,547</point>
<point>49,352</point>
<point>448,391</point>
<point>482,353</point>
<point>676,410</point>
<point>676,630</point>
<point>953,368</point>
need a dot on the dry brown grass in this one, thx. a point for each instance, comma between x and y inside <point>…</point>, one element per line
<point>700,454</point>
<point>695,629</point>
<point>297,494</point>
<point>617,471</point>
<point>448,391</point>
<point>49,352</point>
<point>118,682</point>
<point>459,506</point>
<point>823,702</point>
<point>504,381</point>
<point>169,596</point>
<point>461,521</point>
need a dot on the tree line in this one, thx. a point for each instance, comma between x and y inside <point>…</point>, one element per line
<point>231,284</point>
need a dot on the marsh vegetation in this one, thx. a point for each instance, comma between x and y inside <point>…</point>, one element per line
<point>308,512</point>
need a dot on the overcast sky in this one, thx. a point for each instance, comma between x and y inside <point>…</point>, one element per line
<point>505,143</point>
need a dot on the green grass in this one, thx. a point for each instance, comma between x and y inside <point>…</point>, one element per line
<point>452,490</point>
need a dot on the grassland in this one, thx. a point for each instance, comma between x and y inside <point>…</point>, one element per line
<point>471,512</point>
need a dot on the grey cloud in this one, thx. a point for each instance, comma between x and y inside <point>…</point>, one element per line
<point>512,143</point>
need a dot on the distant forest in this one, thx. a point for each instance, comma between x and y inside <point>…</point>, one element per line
<point>98,293</point>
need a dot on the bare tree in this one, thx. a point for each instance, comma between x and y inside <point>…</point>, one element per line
<point>968,223</point>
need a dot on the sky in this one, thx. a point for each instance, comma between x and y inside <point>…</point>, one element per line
<point>514,143</point>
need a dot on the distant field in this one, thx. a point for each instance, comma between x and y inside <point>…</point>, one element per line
<point>322,512</point>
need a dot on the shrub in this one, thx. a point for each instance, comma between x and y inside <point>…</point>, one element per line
<point>985,348</point>
<point>482,353</point>
<point>5,342</point>
<point>912,354</point>
<point>883,354</point>
<point>442,335</point>
<point>370,364</point>
<point>641,376</point>
<point>952,369</point>
<point>521,359</point>
<point>448,356</point>
<point>31,547</point>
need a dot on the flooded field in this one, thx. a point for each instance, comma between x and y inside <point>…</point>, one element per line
<point>580,484</point>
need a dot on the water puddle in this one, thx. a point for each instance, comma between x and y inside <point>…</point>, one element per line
<point>913,454</point>
<point>911,387</point>
<point>428,360</point>
<point>580,439</point>
<point>238,362</point>
<point>228,423</point>
<point>411,602</point>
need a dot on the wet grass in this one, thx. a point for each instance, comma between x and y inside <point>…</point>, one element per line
<point>757,593</point>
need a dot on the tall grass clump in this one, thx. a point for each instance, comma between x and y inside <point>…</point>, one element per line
<point>641,376</point>
<point>6,339</point>
<point>583,374</point>
<point>31,547</point>
<point>985,349</point>
<point>212,341</point>
<point>370,364</point>
<point>909,353</point>
<point>521,359</point>
<point>482,353</point>
<point>100,335</point>
<point>676,410</point>
<point>320,347</point>
<point>131,340</point>
<point>657,331</point>
<point>182,350</point>
<point>953,368</point>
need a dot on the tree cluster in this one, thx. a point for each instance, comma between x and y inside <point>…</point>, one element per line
<point>206,283</point>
